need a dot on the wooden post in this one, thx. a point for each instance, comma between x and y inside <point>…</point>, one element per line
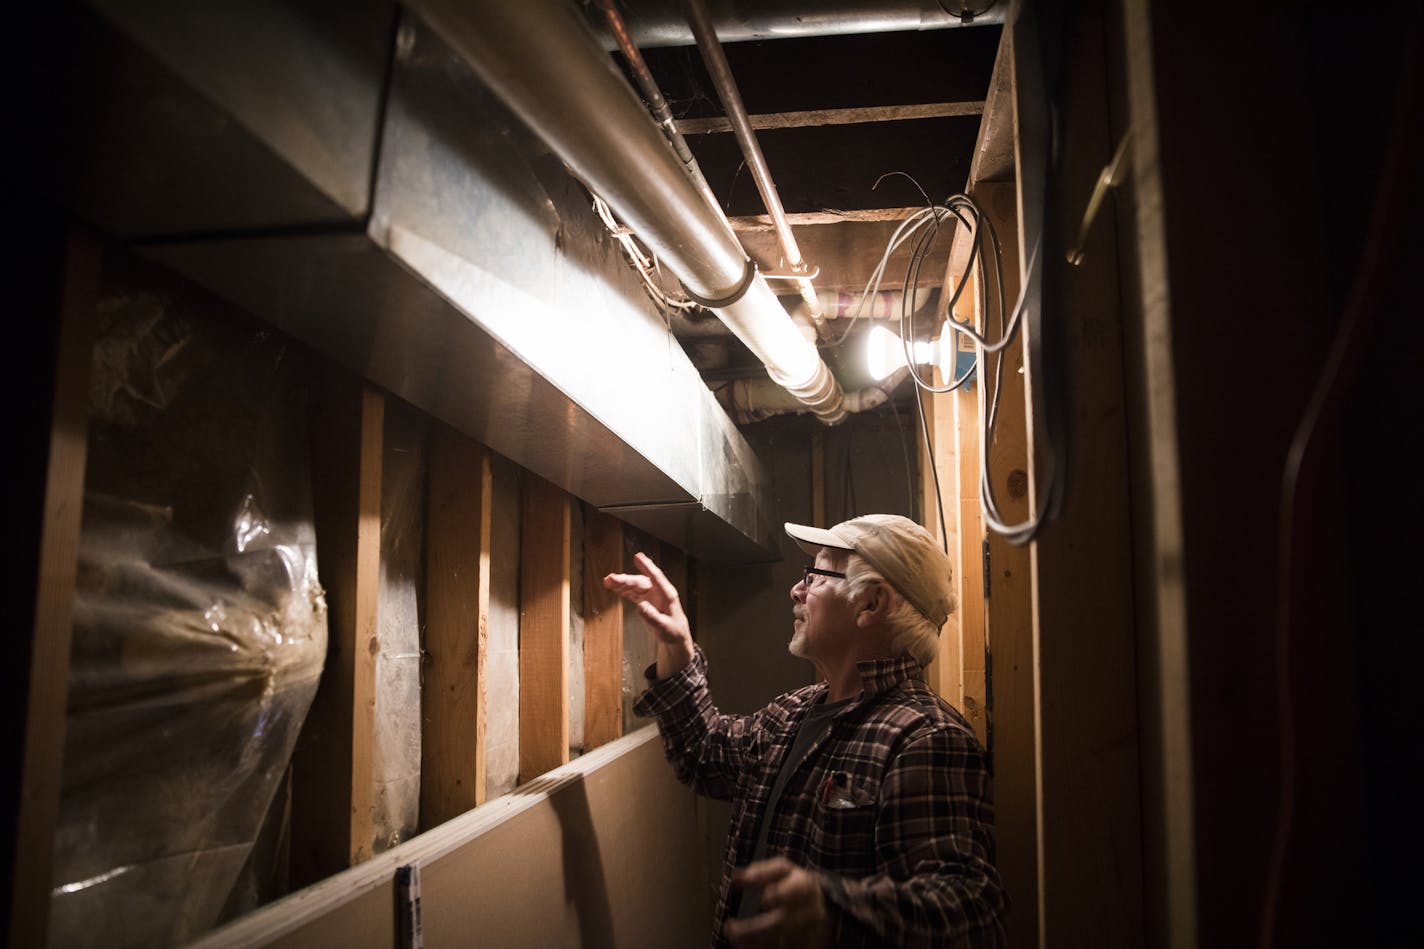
<point>56,470</point>
<point>1090,837</point>
<point>457,585</point>
<point>968,556</point>
<point>944,675</point>
<point>602,631</point>
<point>333,789</point>
<point>544,628</point>
<point>1009,606</point>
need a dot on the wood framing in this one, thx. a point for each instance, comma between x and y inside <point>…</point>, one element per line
<point>1009,605</point>
<point>818,117</point>
<point>333,787</point>
<point>763,222</point>
<point>847,253</point>
<point>544,614</point>
<point>945,674</point>
<point>968,555</point>
<point>43,728</point>
<point>602,631</point>
<point>1090,837</point>
<point>457,592</point>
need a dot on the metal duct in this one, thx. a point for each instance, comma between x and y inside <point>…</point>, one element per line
<point>541,58</point>
<point>468,276</point>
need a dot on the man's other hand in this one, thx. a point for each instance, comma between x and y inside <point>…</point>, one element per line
<point>793,907</point>
<point>661,610</point>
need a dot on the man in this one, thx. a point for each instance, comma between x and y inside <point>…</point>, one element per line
<point>861,805</point>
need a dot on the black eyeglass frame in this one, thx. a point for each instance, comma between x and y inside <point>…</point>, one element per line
<point>811,571</point>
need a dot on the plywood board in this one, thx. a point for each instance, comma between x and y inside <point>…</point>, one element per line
<point>457,576</point>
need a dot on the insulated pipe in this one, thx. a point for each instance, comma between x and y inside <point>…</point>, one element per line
<point>542,60</point>
<point>721,72</point>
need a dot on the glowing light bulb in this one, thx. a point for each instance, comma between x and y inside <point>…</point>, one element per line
<point>885,353</point>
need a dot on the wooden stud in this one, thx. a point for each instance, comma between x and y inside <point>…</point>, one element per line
<point>333,792</point>
<point>602,631</point>
<point>944,674</point>
<point>53,595</point>
<point>1009,607</point>
<point>969,555</point>
<point>544,610</point>
<point>457,585</point>
<point>1090,836</point>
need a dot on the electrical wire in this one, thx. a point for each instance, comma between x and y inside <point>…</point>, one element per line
<point>641,262</point>
<point>968,213</point>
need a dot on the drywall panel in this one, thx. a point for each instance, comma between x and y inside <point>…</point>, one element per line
<point>604,851</point>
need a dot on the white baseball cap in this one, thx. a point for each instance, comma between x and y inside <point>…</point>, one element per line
<point>901,551</point>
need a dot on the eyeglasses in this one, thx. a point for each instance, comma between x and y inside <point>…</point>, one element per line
<point>811,571</point>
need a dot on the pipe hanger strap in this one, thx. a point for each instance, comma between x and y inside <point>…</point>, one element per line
<point>739,291</point>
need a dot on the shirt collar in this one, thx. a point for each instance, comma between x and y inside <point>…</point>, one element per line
<point>882,675</point>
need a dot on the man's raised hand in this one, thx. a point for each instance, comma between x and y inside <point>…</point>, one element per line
<point>661,610</point>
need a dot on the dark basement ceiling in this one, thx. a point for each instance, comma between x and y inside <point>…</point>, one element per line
<point>828,170</point>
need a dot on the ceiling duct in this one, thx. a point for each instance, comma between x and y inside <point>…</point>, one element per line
<point>391,213</point>
<point>541,58</point>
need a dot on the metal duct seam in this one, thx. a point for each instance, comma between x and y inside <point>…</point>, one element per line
<point>542,60</point>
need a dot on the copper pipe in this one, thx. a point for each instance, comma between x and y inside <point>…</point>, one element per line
<point>721,73</point>
<point>649,86</point>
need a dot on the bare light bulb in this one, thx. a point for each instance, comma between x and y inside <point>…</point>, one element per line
<point>885,353</point>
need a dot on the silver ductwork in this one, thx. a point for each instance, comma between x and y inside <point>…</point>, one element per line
<point>542,60</point>
<point>383,207</point>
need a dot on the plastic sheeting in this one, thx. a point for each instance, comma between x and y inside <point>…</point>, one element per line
<point>199,626</point>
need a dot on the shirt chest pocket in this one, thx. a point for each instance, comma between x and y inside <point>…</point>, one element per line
<point>843,834</point>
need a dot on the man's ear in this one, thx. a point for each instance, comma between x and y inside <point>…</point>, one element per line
<point>874,605</point>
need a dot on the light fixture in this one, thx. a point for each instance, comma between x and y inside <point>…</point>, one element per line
<point>885,352</point>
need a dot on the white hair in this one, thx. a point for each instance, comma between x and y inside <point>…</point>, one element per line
<point>910,631</point>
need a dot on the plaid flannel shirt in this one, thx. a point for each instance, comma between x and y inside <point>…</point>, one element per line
<point>891,807</point>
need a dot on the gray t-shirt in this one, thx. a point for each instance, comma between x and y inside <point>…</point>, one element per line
<point>816,723</point>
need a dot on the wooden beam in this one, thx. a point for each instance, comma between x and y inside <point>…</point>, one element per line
<point>457,585</point>
<point>69,351</point>
<point>602,631</point>
<point>1090,844</point>
<point>763,222</point>
<point>848,253</point>
<point>333,790</point>
<point>994,149</point>
<point>944,674</point>
<point>819,117</point>
<point>544,628</point>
